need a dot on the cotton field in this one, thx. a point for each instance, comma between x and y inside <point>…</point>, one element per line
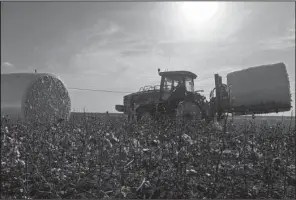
<point>89,157</point>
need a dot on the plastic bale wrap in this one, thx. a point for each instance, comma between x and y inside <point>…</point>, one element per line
<point>264,88</point>
<point>35,98</point>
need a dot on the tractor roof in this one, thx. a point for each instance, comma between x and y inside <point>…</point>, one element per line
<point>178,73</point>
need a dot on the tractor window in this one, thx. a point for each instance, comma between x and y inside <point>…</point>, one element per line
<point>177,81</point>
<point>168,84</point>
<point>189,84</point>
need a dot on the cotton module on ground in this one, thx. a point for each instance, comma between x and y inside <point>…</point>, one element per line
<point>33,97</point>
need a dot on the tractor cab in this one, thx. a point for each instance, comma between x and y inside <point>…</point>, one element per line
<point>176,84</point>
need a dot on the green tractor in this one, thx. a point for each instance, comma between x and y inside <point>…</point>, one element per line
<point>175,98</point>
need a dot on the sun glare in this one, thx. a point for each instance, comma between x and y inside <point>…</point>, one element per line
<point>198,12</point>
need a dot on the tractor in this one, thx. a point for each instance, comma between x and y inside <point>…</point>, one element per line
<point>247,92</point>
<point>175,97</point>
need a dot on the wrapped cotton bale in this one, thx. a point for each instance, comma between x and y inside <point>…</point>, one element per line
<point>40,98</point>
<point>261,89</point>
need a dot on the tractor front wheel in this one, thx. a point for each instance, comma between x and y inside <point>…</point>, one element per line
<point>144,117</point>
<point>188,111</point>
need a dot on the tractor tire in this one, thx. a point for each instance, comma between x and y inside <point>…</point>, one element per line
<point>187,110</point>
<point>144,117</point>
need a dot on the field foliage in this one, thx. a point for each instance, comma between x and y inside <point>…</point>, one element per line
<point>100,158</point>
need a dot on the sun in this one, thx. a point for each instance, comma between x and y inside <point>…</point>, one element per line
<point>198,12</point>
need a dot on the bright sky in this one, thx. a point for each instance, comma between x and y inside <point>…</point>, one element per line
<point>119,46</point>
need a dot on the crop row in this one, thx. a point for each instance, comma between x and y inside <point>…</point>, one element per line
<point>95,158</point>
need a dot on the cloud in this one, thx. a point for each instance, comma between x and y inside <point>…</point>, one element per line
<point>281,42</point>
<point>99,32</point>
<point>7,67</point>
<point>79,42</point>
<point>7,64</point>
<point>134,53</point>
<point>99,61</point>
<point>139,47</point>
<point>104,43</point>
<point>190,47</point>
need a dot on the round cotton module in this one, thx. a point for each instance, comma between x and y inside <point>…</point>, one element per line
<point>262,89</point>
<point>41,98</point>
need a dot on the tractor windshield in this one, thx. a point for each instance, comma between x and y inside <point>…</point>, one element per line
<point>189,83</point>
<point>176,84</point>
<point>170,83</point>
